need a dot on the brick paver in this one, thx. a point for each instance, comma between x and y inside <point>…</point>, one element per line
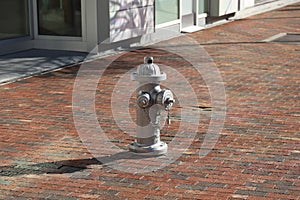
<point>256,156</point>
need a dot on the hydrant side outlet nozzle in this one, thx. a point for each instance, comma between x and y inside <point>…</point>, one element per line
<point>144,100</point>
<point>150,94</point>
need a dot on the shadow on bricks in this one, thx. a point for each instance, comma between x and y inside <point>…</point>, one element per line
<point>65,166</point>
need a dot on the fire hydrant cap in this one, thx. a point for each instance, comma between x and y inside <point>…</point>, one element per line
<point>148,68</point>
<point>148,71</point>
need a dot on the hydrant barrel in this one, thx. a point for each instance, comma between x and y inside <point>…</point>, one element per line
<point>151,101</point>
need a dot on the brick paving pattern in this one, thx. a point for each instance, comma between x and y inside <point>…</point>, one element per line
<point>256,156</point>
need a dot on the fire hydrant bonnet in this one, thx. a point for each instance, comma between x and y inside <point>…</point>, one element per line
<point>148,72</point>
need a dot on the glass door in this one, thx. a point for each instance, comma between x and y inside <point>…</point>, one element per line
<point>166,11</point>
<point>59,18</point>
<point>188,13</point>
<point>202,6</point>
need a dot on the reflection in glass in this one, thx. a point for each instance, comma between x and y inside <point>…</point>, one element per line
<point>13,19</point>
<point>187,7</point>
<point>59,17</point>
<point>203,6</point>
<point>166,11</point>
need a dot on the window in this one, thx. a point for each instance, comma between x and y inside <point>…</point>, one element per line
<point>203,6</point>
<point>59,17</point>
<point>13,19</point>
<point>166,11</point>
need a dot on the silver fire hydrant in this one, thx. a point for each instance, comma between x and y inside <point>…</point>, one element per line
<point>151,100</point>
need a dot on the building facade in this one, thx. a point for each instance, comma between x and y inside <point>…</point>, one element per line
<point>79,25</point>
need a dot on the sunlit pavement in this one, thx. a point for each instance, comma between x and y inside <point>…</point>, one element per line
<point>256,155</point>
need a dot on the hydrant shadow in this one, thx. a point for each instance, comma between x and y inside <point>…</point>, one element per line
<point>64,166</point>
<point>126,155</point>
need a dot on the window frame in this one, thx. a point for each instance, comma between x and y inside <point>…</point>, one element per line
<point>58,37</point>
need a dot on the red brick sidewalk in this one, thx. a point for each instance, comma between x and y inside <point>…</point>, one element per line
<point>256,156</point>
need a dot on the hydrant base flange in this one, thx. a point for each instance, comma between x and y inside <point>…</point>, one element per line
<point>159,148</point>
